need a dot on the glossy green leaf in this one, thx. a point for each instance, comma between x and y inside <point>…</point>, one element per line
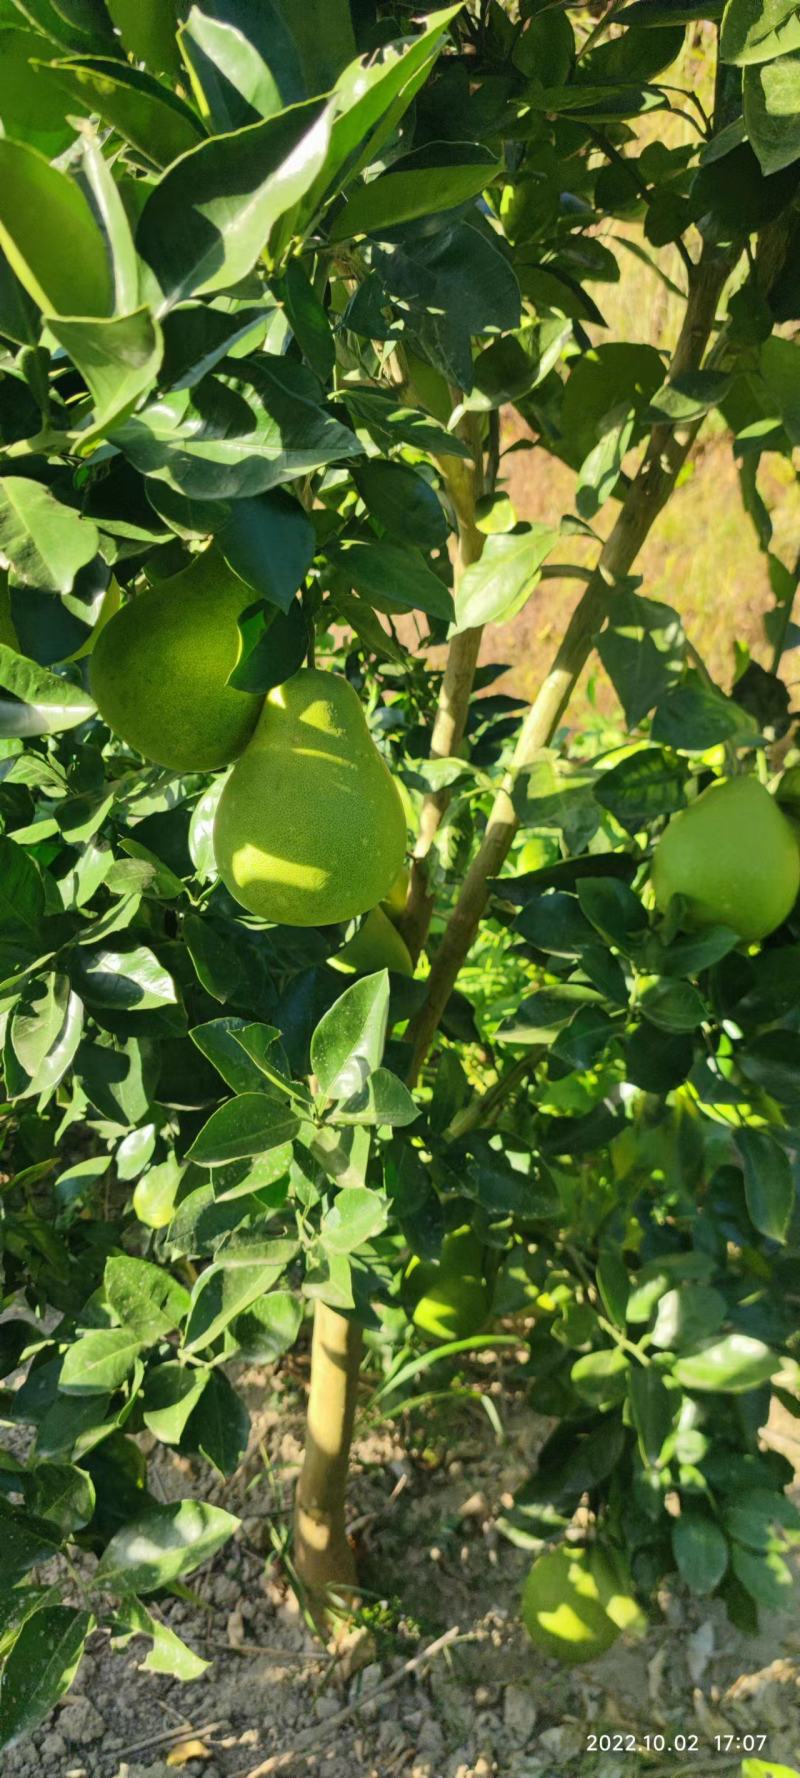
<point>356,1215</point>
<point>126,977</point>
<point>495,588</point>
<point>383,1099</point>
<point>768,1182</point>
<point>651,1410</point>
<point>142,110</point>
<point>347,1045</point>
<point>701,1551</point>
<point>100,1361</point>
<point>732,1365</point>
<point>61,1492</point>
<point>218,1041</point>
<point>392,578</point>
<point>438,176</point>
<point>156,1191</point>
<point>171,1393</point>
<point>758,30</point>
<point>269,1327</point>
<point>231,447</point>
<point>244,1271</point>
<point>163,1545</point>
<point>602,1377</point>
<point>117,358</point>
<point>205,224</point>
<point>243,1126</point>
<point>772,111</point>
<point>168,1653</point>
<point>219,1427</point>
<point>41,1667</point>
<point>402,501</point>
<point>270,542</point>
<point>41,702</point>
<point>765,1574</point>
<point>143,1297</point>
<point>50,236</point>
<point>45,541</point>
<point>370,98</point>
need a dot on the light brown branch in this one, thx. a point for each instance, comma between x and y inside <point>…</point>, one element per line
<point>464,481</point>
<point>666,452</point>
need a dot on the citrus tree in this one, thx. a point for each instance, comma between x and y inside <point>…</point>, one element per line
<point>335,985</point>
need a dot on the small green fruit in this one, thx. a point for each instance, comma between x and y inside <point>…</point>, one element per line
<point>310,829</point>
<point>734,858</point>
<point>376,945</point>
<point>159,668</point>
<point>450,1308</point>
<point>562,1609</point>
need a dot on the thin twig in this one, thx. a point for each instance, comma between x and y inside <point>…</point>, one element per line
<point>317,1738</point>
<point>181,1733</point>
<point>666,452</point>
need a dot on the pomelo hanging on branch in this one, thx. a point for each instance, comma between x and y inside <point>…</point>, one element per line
<point>734,859</point>
<point>158,671</point>
<point>310,829</point>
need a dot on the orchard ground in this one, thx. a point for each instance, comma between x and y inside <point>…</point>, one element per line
<point>425,1501</point>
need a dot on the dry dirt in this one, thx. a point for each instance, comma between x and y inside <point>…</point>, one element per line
<point>431,1561</point>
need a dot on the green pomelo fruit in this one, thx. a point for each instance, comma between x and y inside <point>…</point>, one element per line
<point>615,1588</point>
<point>159,668</point>
<point>562,1609</point>
<point>734,858</point>
<point>462,1254</point>
<point>310,829</point>
<point>376,945</point>
<point>451,1308</point>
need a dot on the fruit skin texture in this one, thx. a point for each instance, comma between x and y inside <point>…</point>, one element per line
<point>158,669</point>
<point>310,829</point>
<point>450,1297</point>
<point>376,945</point>
<point>734,857</point>
<point>451,1308</point>
<point>562,1609</point>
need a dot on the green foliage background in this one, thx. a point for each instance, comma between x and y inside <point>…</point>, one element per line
<point>231,308</point>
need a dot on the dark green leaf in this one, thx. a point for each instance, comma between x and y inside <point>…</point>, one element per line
<point>243,1126</point>
<point>347,1044</point>
<point>701,1551</point>
<point>41,1667</point>
<point>438,176</point>
<point>651,1409</point>
<point>50,236</point>
<point>45,541</point>
<point>144,111</point>
<point>269,541</point>
<point>495,588</point>
<point>392,578</point>
<point>732,1365</point>
<point>772,111</point>
<point>768,1182</point>
<point>206,222</point>
<point>162,1546</point>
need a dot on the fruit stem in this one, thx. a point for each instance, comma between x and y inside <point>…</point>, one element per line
<point>323,1556</point>
<point>666,452</point>
<point>464,481</point>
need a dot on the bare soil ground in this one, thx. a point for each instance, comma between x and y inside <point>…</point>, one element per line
<point>424,1514</point>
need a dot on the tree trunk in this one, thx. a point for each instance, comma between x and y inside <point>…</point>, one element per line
<point>323,1556</point>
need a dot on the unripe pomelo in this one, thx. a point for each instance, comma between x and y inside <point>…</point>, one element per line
<point>451,1308</point>
<point>309,829</point>
<point>376,945</point>
<point>159,668</point>
<point>562,1609</point>
<point>734,858</point>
